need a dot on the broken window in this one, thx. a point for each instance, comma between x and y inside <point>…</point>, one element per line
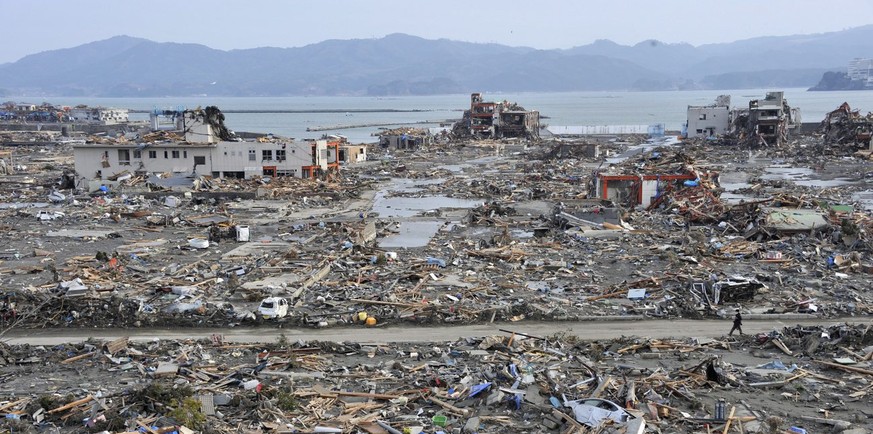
<point>137,153</point>
<point>176,154</point>
<point>166,154</point>
<point>702,117</point>
<point>267,155</point>
<point>280,155</point>
<point>124,157</point>
<point>153,154</point>
<point>199,160</point>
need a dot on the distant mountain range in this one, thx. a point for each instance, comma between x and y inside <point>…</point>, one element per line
<point>400,64</point>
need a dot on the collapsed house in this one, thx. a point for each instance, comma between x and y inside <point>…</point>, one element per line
<point>404,138</point>
<point>638,189</point>
<point>767,122</point>
<point>498,120</point>
<point>645,183</point>
<point>205,147</point>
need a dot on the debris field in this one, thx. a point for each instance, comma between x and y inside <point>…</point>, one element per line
<point>457,230</point>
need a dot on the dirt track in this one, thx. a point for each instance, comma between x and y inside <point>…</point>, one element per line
<point>585,330</point>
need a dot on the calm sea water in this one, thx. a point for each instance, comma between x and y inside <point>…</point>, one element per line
<point>570,108</point>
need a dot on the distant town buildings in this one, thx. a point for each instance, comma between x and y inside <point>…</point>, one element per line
<point>48,113</point>
<point>861,70</point>
<point>99,115</point>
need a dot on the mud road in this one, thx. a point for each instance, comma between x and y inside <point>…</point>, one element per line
<point>603,329</point>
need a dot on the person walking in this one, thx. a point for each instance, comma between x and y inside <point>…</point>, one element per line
<point>738,324</point>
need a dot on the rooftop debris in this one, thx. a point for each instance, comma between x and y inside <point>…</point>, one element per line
<point>844,126</point>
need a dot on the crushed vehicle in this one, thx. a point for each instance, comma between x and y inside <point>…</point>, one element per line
<point>595,411</point>
<point>273,307</point>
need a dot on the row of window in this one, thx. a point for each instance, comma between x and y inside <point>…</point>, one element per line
<point>167,154</point>
<point>267,155</point>
<point>124,154</point>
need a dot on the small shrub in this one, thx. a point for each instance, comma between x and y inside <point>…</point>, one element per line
<point>187,412</point>
<point>285,401</point>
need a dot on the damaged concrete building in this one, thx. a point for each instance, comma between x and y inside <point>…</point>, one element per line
<point>405,138</point>
<point>498,120</point>
<point>637,189</point>
<point>205,148</point>
<point>767,122</point>
<point>710,120</point>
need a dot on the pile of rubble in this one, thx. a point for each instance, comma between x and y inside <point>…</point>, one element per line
<point>843,127</point>
<point>515,382</point>
<point>526,243</point>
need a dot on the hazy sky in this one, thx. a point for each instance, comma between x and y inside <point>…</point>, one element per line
<point>31,26</point>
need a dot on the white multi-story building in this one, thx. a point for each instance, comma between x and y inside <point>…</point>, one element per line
<point>710,120</point>
<point>861,69</point>
<point>99,115</point>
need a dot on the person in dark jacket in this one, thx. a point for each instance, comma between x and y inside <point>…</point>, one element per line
<point>738,324</point>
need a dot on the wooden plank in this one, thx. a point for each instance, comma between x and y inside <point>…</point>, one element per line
<point>75,403</point>
<point>730,418</point>
<point>845,368</point>
<point>117,345</point>
<point>76,358</point>
<point>449,407</point>
<point>779,344</point>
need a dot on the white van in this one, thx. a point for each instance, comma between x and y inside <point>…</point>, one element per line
<point>273,307</point>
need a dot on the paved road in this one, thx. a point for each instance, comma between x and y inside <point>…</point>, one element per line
<point>585,330</point>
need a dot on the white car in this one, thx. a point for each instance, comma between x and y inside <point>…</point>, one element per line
<point>273,307</point>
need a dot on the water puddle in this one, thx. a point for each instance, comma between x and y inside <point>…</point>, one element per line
<point>406,185</point>
<point>733,186</point>
<point>650,144</point>
<point>397,206</point>
<point>803,176</point>
<point>787,173</point>
<point>412,234</point>
<point>825,183</point>
<point>865,199</point>
<point>454,168</point>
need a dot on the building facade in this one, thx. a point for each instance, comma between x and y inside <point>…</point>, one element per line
<point>203,153</point>
<point>99,115</point>
<point>219,160</point>
<point>711,120</point>
<point>861,70</point>
<point>633,190</point>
